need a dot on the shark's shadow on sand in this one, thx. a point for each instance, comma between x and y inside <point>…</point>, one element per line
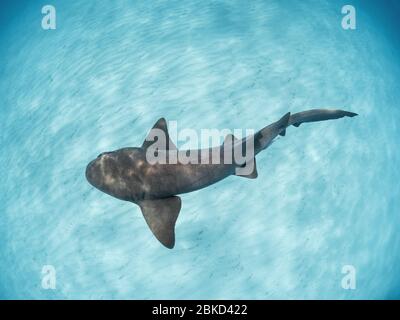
<point>127,173</point>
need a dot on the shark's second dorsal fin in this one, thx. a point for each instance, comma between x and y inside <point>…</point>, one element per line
<point>161,215</point>
<point>161,124</point>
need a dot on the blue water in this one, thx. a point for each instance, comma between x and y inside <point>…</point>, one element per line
<point>327,195</point>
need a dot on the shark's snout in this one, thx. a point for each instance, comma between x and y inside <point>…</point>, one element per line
<point>89,171</point>
<point>93,172</point>
<point>102,154</point>
<point>98,169</point>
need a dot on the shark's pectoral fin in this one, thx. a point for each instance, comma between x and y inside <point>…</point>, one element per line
<point>160,127</point>
<point>161,215</point>
<point>249,170</point>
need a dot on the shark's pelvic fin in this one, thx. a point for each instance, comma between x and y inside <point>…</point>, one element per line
<point>251,175</point>
<point>161,124</point>
<point>161,215</point>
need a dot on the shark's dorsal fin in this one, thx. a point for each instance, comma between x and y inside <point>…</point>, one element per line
<point>161,215</point>
<point>230,138</point>
<point>161,124</point>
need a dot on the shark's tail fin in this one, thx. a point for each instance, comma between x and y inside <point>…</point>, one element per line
<point>264,137</point>
<point>314,115</point>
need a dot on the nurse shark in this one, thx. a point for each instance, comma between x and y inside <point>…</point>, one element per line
<point>137,174</point>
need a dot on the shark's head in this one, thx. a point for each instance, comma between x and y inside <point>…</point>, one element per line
<point>102,172</point>
<point>114,172</point>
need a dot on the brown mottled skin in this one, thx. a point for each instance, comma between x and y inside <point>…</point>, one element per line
<point>127,175</point>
